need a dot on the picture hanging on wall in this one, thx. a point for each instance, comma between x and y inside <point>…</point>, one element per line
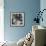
<point>17,19</point>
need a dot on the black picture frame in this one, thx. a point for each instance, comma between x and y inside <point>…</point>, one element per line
<point>17,19</point>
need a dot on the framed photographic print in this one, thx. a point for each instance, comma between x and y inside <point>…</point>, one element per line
<point>17,19</point>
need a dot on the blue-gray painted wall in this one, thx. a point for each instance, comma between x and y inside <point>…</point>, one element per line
<point>29,7</point>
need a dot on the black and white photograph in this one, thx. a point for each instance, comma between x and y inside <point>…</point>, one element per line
<point>17,19</point>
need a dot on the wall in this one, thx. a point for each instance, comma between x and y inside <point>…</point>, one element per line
<point>1,21</point>
<point>29,7</point>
